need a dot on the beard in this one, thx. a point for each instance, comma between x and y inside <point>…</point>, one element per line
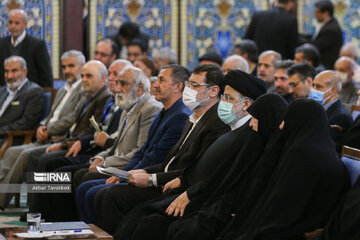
<point>70,78</point>
<point>126,101</point>
<point>13,84</point>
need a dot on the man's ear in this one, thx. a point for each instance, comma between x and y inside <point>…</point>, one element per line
<point>309,82</point>
<point>113,56</point>
<point>247,104</point>
<point>140,88</point>
<point>214,91</point>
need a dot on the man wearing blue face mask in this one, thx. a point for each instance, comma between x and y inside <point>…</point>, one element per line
<point>326,88</point>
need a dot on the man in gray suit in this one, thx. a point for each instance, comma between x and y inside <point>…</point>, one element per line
<point>139,110</point>
<point>62,116</point>
<point>21,101</point>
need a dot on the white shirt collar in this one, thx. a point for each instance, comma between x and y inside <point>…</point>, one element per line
<point>240,122</point>
<point>18,40</point>
<point>193,118</point>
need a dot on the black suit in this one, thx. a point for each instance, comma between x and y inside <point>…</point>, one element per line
<point>339,115</point>
<point>25,110</point>
<point>329,41</point>
<point>274,29</point>
<point>351,138</point>
<point>37,59</point>
<point>206,131</point>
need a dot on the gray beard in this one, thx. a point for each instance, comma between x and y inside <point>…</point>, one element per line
<point>126,102</point>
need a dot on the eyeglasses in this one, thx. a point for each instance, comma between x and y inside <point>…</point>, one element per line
<point>229,98</point>
<point>194,84</point>
<point>294,84</point>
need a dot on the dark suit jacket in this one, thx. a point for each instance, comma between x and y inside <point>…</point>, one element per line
<point>274,29</point>
<point>206,131</point>
<point>218,158</point>
<point>111,128</point>
<point>162,136</point>
<point>37,59</point>
<point>94,106</point>
<point>329,41</point>
<point>25,110</point>
<point>339,115</point>
<point>351,137</point>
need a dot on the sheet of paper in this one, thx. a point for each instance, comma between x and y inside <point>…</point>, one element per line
<point>111,171</point>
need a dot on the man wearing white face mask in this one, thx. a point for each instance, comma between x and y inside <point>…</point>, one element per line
<point>201,94</point>
<point>326,88</point>
<point>346,68</point>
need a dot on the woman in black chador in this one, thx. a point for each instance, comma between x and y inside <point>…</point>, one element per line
<point>305,186</point>
<point>150,221</point>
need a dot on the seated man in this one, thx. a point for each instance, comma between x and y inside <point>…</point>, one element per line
<point>165,56</point>
<point>106,51</point>
<point>201,100</point>
<point>94,75</point>
<point>327,86</point>
<point>250,52</point>
<point>282,79</point>
<point>266,70</point>
<point>62,116</point>
<point>21,101</point>
<point>235,62</point>
<point>310,54</point>
<point>166,128</point>
<point>347,67</point>
<point>83,149</point>
<point>300,79</point>
<point>139,110</point>
<point>211,58</point>
<point>351,137</point>
<point>202,94</point>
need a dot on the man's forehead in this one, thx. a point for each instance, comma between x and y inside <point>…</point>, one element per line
<point>342,64</point>
<point>13,64</point>
<point>198,77</point>
<point>165,72</point>
<point>89,69</point>
<point>126,75</point>
<point>116,67</point>
<point>103,46</point>
<point>17,16</point>
<point>294,78</point>
<point>69,60</point>
<point>268,58</point>
<point>134,48</point>
<point>280,71</point>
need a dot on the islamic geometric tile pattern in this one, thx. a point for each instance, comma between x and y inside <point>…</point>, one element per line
<point>156,18</point>
<point>215,25</point>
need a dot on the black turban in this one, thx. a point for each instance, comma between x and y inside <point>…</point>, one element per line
<point>246,84</point>
<point>212,56</point>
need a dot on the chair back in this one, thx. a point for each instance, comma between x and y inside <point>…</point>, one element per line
<point>355,111</point>
<point>59,83</point>
<point>351,160</point>
<point>50,94</point>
